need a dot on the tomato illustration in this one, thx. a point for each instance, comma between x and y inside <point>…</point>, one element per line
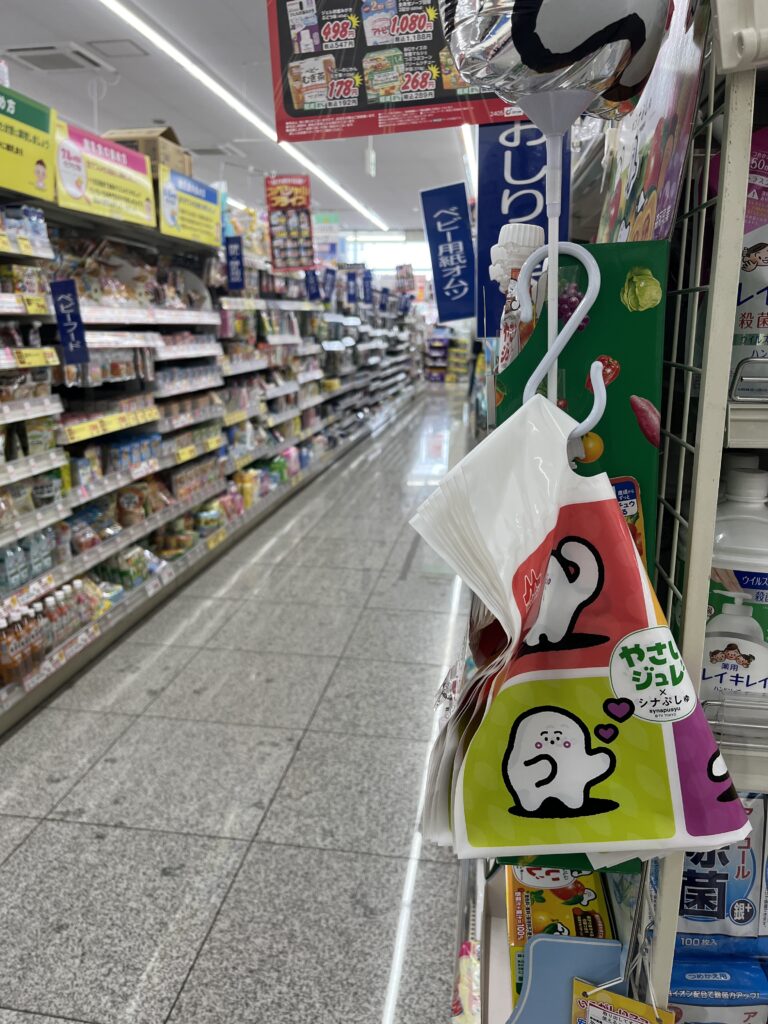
<point>575,894</point>
<point>544,923</point>
<point>611,370</point>
<point>593,447</point>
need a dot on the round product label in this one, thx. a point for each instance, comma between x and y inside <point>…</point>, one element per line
<point>647,669</point>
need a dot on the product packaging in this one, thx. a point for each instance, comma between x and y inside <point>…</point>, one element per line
<point>515,245</point>
<point>727,992</point>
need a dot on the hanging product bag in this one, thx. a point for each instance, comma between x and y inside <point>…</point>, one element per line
<point>592,739</point>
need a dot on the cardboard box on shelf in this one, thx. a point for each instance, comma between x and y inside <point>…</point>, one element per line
<point>160,143</point>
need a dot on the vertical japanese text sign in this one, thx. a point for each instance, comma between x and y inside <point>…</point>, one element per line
<point>235,272</point>
<point>449,233</point>
<point>511,188</point>
<point>329,284</point>
<point>313,286</point>
<point>70,322</point>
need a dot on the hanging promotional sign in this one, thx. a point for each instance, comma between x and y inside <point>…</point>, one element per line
<point>326,231</point>
<point>26,145</point>
<point>404,278</point>
<point>188,208</point>
<point>66,306</point>
<point>101,177</point>
<point>351,287</point>
<point>511,188</point>
<point>233,246</point>
<point>384,300</point>
<point>449,234</point>
<point>329,284</point>
<point>313,286</point>
<point>368,287</point>
<point>290,221</point>
<point>342,68</point>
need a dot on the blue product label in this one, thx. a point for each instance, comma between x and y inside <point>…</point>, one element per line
<point>721,895</point>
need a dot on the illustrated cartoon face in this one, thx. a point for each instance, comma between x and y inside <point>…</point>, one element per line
<point>41,175</point>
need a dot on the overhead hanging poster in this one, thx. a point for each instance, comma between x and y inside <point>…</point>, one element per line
<point>26,145</point>
<point>342,68</point>
<point>188,208</point>
<point>101,177</point>
<point>290,221</point>
<point>449,234</point>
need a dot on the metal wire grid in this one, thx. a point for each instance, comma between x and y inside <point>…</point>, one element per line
<point>704,277</point>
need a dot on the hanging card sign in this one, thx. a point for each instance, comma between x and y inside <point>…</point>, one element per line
<point>342,68</point>
<point>368,287</point>
<point>449,234</point>
<point>233,245</point>
<point>101,177</point>
<point>26,145</point>
<point>188,208</point>
<point>290,221</point>
<point>313,286</point>
<point>384,300</point>
<point>511,188</point>
<point>70,322</point>
<point>351,287</point>
<point>329,284</point>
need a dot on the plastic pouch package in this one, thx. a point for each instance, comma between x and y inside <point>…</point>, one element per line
<point>728,992</point>
<point>592,739</point>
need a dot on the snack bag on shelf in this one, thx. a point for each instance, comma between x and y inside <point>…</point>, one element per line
<point>588,737</point>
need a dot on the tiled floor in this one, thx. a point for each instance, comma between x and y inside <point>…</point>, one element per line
<point>215,823</point>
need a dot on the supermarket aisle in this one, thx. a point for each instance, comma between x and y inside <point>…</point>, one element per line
<point>216,823</point>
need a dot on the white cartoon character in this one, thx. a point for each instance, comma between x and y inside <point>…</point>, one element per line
<point>574,579</point>
<point>549,766</point>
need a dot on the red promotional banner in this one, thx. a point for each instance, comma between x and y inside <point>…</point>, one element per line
<point>342,68</point>
<point>290,221</point>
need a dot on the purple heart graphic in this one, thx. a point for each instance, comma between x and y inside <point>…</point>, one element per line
<point>619,710</point>
<point>606,733</point>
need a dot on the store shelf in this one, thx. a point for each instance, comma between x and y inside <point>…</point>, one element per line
<point>30,409</point>
<point>13,305</point>
<point>282,389</point>
<point>264,451</point>
<point>31,465</point>
<point>233,369</point>
<point>309,376</point>
<point>187,388</point>
<point>140,315</point>
<point>79,649</point>
<point>31,522</point>
<point>200,350</point>
<point>284,339</point>
<point>100,425</point>
<point>124,339</point>
<point>309,350</point>
<point>247,305</point>
<point>26,358</point>
<point>282,417</point>
<point>240,415</point>
<point>310,403</point>
<point>82,494</point>
<point>746,425</point>
<point>167,424</point>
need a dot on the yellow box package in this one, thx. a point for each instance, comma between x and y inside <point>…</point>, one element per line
<point>552,901</point>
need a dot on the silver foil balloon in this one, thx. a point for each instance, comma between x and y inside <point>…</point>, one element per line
<point>520,48</point>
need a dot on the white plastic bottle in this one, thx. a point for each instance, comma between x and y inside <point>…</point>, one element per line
<point>81,605</point>
<point>516,243</point>
<point>53,615</point>
<point>736,460</point>
<point>736,658</point>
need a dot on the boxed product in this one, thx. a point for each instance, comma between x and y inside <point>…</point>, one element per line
<point>159,143</point>
<point>552,901</point>
<point>726,992</point>
<point>384,71</point>
<point>377,21</point>
<point>722,900</point>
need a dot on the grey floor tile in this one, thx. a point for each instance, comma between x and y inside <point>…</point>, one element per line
<point>13,832</point>
<point>428,637</point>
<point>230,580</point>
<point>339,553</point>
<point>102,924</point>
<point>19,1017</point>
<point>304,584</point>
<point>304,936</point>
<point>247,688</point>
<point>349,793</point>
<point>411,554</point>
<point>379,698</point>
<point>194,777</point>
<point>183,621</point>
<point>342,526</point>
<point>46,756</point>
<point>126,679</point>
<point>414,591</point>
<point>300,629</point>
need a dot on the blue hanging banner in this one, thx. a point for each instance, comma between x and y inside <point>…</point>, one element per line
<point>405,304</point>
<point>70,322</point>
<point>233,245</point>
<point>384,300</point>
<point>449,233</point>
<point>367,287</point>
<point>313,286</point>
<point>512,187</point>
<point>329,284</point>
<point>351,287</point>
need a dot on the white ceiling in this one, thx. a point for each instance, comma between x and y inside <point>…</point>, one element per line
<point>230,39</point>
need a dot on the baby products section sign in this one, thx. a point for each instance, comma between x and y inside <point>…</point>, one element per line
<point>342,68</point>
<point>26,145</point>
<point>188,208</point>
<point>448,231</point>
<point>101,177</point>
<point>290,221</point>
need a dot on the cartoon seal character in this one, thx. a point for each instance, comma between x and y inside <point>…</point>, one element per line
<point>575,577</point>
<point>549,766</point>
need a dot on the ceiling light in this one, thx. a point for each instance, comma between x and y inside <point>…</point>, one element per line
<point>370,236</point>
<point>470,158</point>
<point>236,204</point>
<point>192,68</point>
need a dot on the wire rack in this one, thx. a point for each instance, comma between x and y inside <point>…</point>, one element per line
<point>704,277</point>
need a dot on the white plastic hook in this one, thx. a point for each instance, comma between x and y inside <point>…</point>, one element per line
<point>562,339</point>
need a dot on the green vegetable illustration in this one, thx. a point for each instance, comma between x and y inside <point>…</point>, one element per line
<point>641,290</point>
